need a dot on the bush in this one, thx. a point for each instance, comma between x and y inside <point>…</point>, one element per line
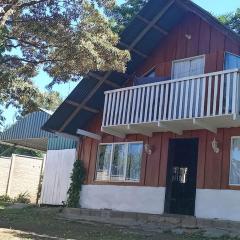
<point>77,177</point>
<point>6,199</point>
<point>22,198</point>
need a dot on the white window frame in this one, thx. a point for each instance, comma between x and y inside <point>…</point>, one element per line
<point>110,165</point>
<point>189,59</point>
<point>230,168</point>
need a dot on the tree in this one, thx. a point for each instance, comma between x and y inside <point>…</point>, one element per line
<point>68,38</point>
<point>7,151</point>
<point>231,20</point>
<point>122,15</point>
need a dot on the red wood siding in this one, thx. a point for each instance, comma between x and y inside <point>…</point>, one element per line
<point>205,39</point>
<point>213,169</point>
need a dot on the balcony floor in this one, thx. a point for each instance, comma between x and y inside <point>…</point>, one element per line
<point>177,126</point>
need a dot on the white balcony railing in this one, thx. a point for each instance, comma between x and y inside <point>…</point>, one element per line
<point>157,106</point>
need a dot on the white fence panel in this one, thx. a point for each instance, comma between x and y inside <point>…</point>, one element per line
<point>56,179</point>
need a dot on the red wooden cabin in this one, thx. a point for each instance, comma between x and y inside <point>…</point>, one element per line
<point>165,136</point>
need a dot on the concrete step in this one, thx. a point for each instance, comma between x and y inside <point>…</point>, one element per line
<point>150,222</point>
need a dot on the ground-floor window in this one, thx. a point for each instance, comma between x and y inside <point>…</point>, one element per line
<point>234,178</point>
<point>119,162</point>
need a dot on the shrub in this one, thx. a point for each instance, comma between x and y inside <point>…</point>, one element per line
<point>5,198</point>
<point>22,198</point>
<point>77,180</point>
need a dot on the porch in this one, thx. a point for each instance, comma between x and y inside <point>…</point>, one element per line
<point>208,101</point>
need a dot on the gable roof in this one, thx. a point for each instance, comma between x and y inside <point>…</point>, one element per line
<point>151,24</point>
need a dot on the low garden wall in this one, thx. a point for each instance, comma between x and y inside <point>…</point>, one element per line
<point>20,174</point>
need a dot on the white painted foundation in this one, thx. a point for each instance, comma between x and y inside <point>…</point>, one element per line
<point>124,198</point>
<point>210,203</point>
<point>220,204</point>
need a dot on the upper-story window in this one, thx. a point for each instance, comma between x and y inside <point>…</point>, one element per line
<point>188,67</point>
<point>119,162</point>
<point>231,61</point>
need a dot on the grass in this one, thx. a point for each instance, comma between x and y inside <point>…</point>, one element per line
<point>42,223</point>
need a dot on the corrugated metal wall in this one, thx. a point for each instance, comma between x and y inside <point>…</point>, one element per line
<point>58,143</point>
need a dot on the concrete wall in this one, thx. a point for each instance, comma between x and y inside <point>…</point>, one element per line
<point>24,176</point>
<point>20,174</point>
<point>123,198</point>
<point>221,204</point>
<point>56,179</point>
<point>5,164</point>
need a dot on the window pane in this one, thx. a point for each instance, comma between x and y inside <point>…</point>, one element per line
<point>104,159</point>
<point>119,162</point>
<point>231,61</point>
<point>188,67</point>
<point>235,162</point>
<point>134,162</point>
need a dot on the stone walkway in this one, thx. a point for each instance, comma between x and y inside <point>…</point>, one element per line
<point>156,223</point>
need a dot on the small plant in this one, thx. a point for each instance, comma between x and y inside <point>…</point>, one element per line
<point>39,188</point>
<point>6,199</point>
<point>77,177</point>
<point>22,198</point>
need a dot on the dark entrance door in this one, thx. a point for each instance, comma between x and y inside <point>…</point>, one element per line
<point>181,176</point>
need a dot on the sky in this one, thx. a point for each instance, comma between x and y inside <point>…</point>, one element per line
<point>216,7</point>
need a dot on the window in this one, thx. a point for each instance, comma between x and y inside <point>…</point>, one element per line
<point>119,162</point>
<point>234,178</point>
<point>188,67</point>
<point>231,61</point>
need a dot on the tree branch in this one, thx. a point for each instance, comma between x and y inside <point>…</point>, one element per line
<point>10,9</point>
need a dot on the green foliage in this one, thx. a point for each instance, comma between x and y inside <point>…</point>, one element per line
<point>66,38</point>
<point>77,180</point>
<point>5,199</point>
<point>120,16</point>
<point>22,198</point>
<point>231,20</point>
<point>7,151</point>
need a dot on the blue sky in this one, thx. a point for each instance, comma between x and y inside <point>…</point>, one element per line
<point>214,6</point>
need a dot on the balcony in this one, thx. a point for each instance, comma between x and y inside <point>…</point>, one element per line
<point>209,101</point>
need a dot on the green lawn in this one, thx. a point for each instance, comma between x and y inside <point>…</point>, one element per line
<point>42,223</point>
